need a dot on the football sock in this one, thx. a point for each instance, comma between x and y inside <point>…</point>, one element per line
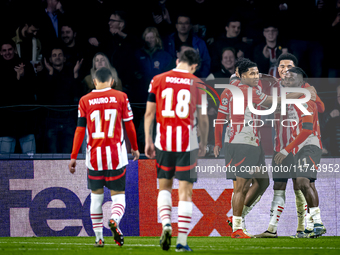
<point>164,205</point>
<point>247,209</point>
<point>315,214</point>
<point>96,212</point>
<point>310,223</point>
<point>237,223</point>
<point>184,220</point>
<point>301,208</point>
<point>278,204</point>
<point>118,207</point>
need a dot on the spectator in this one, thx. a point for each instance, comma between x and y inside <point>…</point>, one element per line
<point>100,60</point>
<point>332,51</point>
<point>120,49</point>
<point>59,85</point>
<point>152,60</point>
<point>17,79</point>
<point>266,53</point>
<point>231,38</point>
<point>331,128</point>
<point>73,50</point>
<point>27,44</point>
<point>50,24</point>
<point>184,35</point>
<point>161,17</point>
<point>227,67</point>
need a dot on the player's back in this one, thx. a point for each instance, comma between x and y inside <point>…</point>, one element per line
<point>177,96</point>
<point>104,111</point>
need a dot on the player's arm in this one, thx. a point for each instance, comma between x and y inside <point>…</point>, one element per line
<point>148,126</point>
<point>294,95</point>
<point>77,142</point>
<point>319,104</point>
<point>203,125</point>
<point>131,133</point>
<point>221,115</point>
<point>307,129</point>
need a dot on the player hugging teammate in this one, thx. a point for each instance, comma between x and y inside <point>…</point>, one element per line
<point>290,148</point>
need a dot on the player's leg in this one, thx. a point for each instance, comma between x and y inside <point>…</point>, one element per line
<point>186,174</point>
<point>280,179</point>
<point>165,174</point>
<point>96,184</point>
<point>184,213</point>
<point>308,159</point>
<point>301,207</point>
<point>115,182</point>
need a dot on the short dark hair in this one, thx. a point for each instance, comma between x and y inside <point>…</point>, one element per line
<point>68,22</point>
<point>234,18</point>
<point>241,60</point>
<point>189,56</point>
<point>287,56</point>
<point>244,66</point>
<point>7,41</point>
<point>103,74</point>
<point>56,46</point>
<point>183,14</point>
<point>298,70</point>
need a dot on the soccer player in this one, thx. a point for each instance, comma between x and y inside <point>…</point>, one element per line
<point>175,98</point>
<point>102,113</point>
<point>307,149</point>
<point>223,113</point>
<point>281,140</point>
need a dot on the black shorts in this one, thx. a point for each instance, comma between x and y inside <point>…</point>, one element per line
<point>306,161</point>
<point>179,164</point>
<point>243,159</point>
<point>284,171</point>
<point>230,174</point>
<point>112,179</point>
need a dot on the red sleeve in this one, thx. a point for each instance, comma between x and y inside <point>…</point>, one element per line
<point>319,104</point>
<point>219,130</point>
<point>258,96</point>
<point>302,136</point>
<point>131,133</point>
<point>77,141</point>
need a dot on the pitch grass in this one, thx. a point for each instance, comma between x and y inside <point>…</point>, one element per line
<point>149,246</point>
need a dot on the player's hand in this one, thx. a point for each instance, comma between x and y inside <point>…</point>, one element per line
<point>279,157</point>
<point>135,154</point>
<point>150,151</point>
<point>202,150</point>
<point>313,93</point>
<point>217,151</point>
<point>72,166</point>
<point>93,41</point>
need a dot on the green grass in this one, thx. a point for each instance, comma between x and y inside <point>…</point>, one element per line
<point>149,246</point>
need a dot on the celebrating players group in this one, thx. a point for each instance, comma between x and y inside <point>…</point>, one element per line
<point>176,106</point>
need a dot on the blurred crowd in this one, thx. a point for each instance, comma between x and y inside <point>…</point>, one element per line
<point>50,49</point>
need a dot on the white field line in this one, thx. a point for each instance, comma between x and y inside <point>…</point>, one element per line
<point>154,245</point>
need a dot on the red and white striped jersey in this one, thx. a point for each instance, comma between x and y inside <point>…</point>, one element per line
<point>240,131</point>
<point>294,113</point>
<point>177,95</point>
<point>105,110</point>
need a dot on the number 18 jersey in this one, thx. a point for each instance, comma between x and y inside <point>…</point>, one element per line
<point>104,111</point>
<point>177,94</point>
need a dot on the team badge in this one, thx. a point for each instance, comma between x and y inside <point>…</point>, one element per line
<point>156,64</point>
<point>224,101</point>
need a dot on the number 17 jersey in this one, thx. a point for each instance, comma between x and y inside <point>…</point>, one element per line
<point>177,94</point>
<point>104,111</point>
